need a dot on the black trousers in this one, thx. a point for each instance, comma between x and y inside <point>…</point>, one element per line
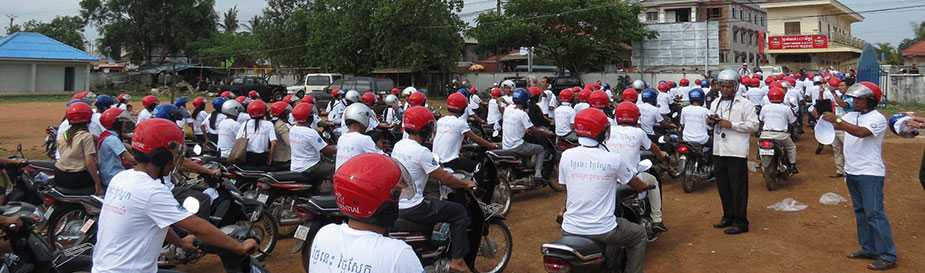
<point>258,160</point>
<point>75,182</point>
<point>318,173</point>
<point>433,211</point>
<point>732,182</point>
<point>461,164</point>
<point>212,137</point>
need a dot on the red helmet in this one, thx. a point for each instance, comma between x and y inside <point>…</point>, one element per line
<point>417,99</point>
<point>302,112</point>
<point>395,91</point>
<point>496,92</point>
<point>308,99</point>
<point>768,80</point>
<point>199,101</point>
<point>697,82</point>
<point>777,84</point>
<point>534,91</point>
<point>672,84</point>
<point>257,109</point>
<point>78,113</point>
<point>791,81</point>
<point>473,90</point>
<point>584,95</point>
<point>589,86</point>
<point>417,118</point>
<point>227,94</point>
<point>626,113</point>
<point>109,117</point>
<point>776,95</point>
<point>630,95</point>
<point>365,186</point>
<point>834,82</point>
<point>685,82</point>
<point>663,87</point>
<point>149,101</point>
<point>253,94</point>
<point>335,92</point>
<point>456,102</point>
<point>598,99</point>
<point>240,99</point>
<point>865,89</point>
<point>156,133</point>
<point>592,123</point>
<point>123,97</point>
<point>277,108</point>
<point>566,95</point>
<point>80,95</point>
<point>368,98</point>
<point>287,98</point>
<point>756,82</point>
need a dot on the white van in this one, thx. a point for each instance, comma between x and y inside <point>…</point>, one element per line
<point>315,82</point>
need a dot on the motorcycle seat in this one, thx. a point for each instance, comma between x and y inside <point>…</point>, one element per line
<point>75,192</point>
<point>289,176</point>
<point>408,226</point>
<point>325,202</point>
<point>584,247</point>
<point>503,156</point>
<point>626,193</point>
<point>45,165</point>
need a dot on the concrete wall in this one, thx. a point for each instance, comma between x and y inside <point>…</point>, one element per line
<point>905,89</point>
<point>16,77</point>
<point>51,78</point>
<point>485,80</point>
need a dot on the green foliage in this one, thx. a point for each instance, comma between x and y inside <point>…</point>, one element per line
<point>239,47</point>
<point>67,29</point>
<point>575,34</point>
<point>283,28</point>
<point>230,20</point>
<point>889,54</point>
<point>149,28</point>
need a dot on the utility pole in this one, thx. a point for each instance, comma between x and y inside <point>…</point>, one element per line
<point>12,17</point>
<point>706,55</point>
<point>499,7</point>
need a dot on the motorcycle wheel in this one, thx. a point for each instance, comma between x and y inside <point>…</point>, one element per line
<point>64,226</point>
<point>769,173</point>
<point>689,180</point>
<point>494,252</point>
<point>554,181</point>
<point>265,228</point>
<point>501,198</point>
<point>676,166</point>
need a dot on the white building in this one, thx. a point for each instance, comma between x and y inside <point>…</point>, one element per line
<point>31,63</point>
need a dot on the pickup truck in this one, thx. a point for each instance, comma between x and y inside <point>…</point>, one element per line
<point>313,83</point>
<point>241,85</point>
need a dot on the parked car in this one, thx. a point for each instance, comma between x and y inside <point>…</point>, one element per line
<point>313,83</point>
<point>519,82</point>
<point>382,87</point>
<point>241,85</point>
<point>558,83</point>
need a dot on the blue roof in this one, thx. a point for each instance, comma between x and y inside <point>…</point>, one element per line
<point>35,46</point>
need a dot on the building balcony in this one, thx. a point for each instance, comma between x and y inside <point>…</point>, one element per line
<point>814,42</point>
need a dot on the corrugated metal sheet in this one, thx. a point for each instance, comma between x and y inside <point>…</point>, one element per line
<point>35,46</point>
<point>679,44</point>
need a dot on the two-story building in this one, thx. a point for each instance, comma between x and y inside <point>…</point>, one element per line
<point>812,34</point>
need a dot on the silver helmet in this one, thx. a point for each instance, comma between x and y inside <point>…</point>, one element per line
<point>728,75</point>
<point>352,96</point>
<point>408,91</point>
<point>390,99</point>
<point>507,84</point>
<point>817,79</point>
<point>639,85</point>
<point>359,113</point>
<point>232,108</point>
<point>864,89</point>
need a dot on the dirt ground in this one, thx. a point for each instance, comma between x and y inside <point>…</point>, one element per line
<point>813,240</point>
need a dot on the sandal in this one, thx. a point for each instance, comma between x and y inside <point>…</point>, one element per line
<point>881,265</point>
<point>860,254</point>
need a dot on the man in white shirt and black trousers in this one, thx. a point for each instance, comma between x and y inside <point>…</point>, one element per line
<point>734,119</point>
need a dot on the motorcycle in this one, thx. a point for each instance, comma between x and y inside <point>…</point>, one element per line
<point>774,165</point>
<point>28,251</point>
<point>696,164</point>
<point>572,253</point>
<point>669,142</point>
<point>284,193</point>
<point>51,141</point>
<point>515,174</point>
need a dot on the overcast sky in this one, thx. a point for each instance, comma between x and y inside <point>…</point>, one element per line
<point>889,26</point>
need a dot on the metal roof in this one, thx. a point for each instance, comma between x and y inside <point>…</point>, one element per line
<point>38,47</point>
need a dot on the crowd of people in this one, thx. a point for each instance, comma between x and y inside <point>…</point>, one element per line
<point>381,162</point>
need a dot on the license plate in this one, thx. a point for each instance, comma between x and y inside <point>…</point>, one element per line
<point>86,226</point>
<point>765,151</point>
<point>255,216</point>
<point>262,198</point>
<point>301,233</point>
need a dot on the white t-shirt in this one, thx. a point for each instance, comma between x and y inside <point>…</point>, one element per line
<point>474,102</point>
<point>683,92</point>
<point>218,120</point>
<point>813,92</point>
<point>197,125</point>
<point>336,112</point>
<point>544,107</point>
<point>419,162</point>
<point>449,136</point>
<point>592,176</point>
<point>664,103</point>
<point>243,117</point>
<point>133,223</point>
<point>494,113</point>
<point>352,144</point>
<point>143,115</point>
<point>565,119</point>
<point>258,141</point>
<point>776,117</point>
<point>339,249</point>
<point>694,120</point>
<point>626,142</point>
<point>391,116</point>
<point>305,145</point>
<point>864,156</point>
<point>793,98</point>
<point>227,133</point>
<point>756,95</point>
<point>553,102</point>
<point>581,106</point>
<point>95,127</point>
<point>648,117</point>
<point>515,125</point>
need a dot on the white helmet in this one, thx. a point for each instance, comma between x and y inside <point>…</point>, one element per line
<point>352,96</point>
<point>507,84</point>
<point>728,75</point>
<point>359,113</point>
<point>408,91</point>
<point>390,99</point>
<point>817,79</point>
<point>639,85</point>
<point>232,108</point>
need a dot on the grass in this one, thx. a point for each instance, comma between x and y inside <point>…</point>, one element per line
<point>891,109</point>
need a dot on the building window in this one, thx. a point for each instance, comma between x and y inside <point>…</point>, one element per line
<point>682,15</point>
<point>792,28</point>
<point>651,16</point>
<point>735,34</point>
<point>733,12</point>
<point>714,13</point>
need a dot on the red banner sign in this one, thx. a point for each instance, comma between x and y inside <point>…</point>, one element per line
<point>798,42</point>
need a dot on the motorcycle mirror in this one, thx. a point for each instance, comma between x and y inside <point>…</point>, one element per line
<point>191,205</point>
<point>19,147</point>
<point>644,165</point>
<point>197,149</point>
<point>675,115</point>
<point>661,139</point>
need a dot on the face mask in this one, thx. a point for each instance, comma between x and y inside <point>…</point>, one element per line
<point>850,102</point>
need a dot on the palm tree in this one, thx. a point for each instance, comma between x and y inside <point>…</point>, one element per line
<point>254,24</point>
<point>230,22</point>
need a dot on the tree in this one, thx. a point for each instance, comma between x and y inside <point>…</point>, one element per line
<point>67,29</point>
<point>230,21</point>
<point>889,54</point>
<point>146,28</point>
<point>575,34</point>
<point>282,30</point>
<point>242,47</point>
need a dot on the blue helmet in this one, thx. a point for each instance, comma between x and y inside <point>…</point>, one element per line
<point>650,96</point>
<point>521,96</point>
<point>897,127</point>
<point>168,111</point>
<point>181,101</point>
<point>103,102</point>
<point>605,86</point>
<point>696,94</point>
<point>463,91</point>
<point>705,83</point>
<point>217,103</point>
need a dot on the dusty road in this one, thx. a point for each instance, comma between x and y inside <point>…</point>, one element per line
<point>813,240</point>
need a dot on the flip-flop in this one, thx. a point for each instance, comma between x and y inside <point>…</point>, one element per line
<point>880,265</point>
<point>862,255</point>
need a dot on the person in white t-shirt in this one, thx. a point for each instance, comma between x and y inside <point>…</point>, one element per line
<point>564,117</point>
<point>683,91</point>
<point>139,208</point>
<point>368,188</point>
<point>664,99</point>
<point>354,142</point>
<point>260,134</point>
<point>307,147</point>
<point>777,118</point>
<point>649,117</point>
<point>419,161</point>
<point>198,117</point>
<point>451,131</point>
<point>865,128</point>
<point>583,95</point>
<point>148,103</point>
<point>228,128</point>
<point>626,139</point>
<point>516,125</point>
<point>213,119</point>
<point>494,110</point>
<point>694,120</point>
<point>592,176</point>
<point>552,103</point>
<point>755,94</point>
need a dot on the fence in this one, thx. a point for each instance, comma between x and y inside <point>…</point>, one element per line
<point>904,88</point>
<point>484,80</point>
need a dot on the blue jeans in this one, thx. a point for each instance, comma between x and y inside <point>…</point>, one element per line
<point>874,233</point>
